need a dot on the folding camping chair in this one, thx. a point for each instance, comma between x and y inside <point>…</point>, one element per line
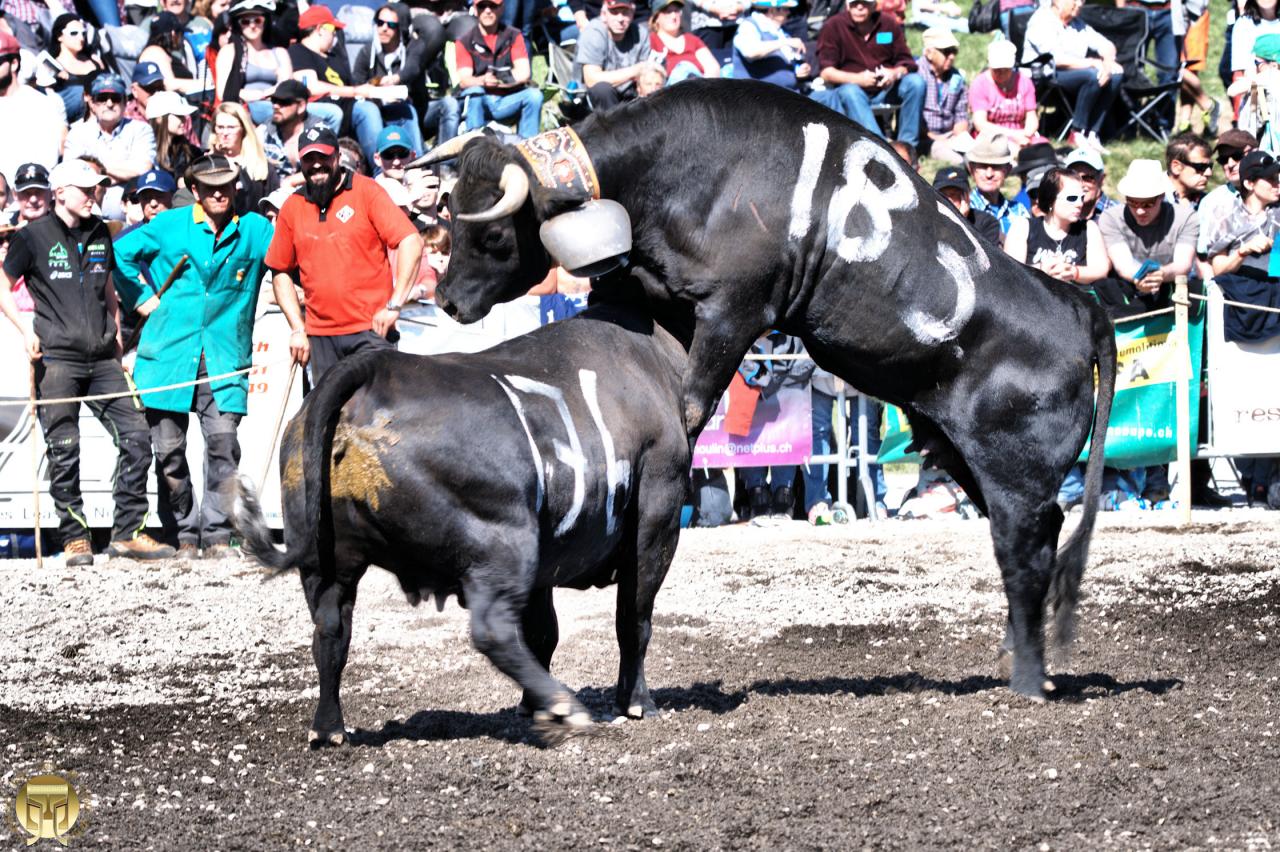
<point>1051,98</point>
<point>1128,30</point>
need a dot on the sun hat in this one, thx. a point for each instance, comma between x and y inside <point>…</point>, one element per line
<point>1002,54</point>
<point>1144,179</point>
<point>75,173</point>
<point>990,150</point>
<point>939,38</point>
<point>168,103</point>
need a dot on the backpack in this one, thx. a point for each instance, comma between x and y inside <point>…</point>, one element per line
<point>984,16</point>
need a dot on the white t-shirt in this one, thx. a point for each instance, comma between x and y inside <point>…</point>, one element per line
<point>1243,35</point>
<point>42,119</point>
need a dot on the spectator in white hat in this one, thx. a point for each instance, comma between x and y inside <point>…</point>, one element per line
<point>1149,239</point>
<point>1003,99</point>
<point>169,115</point>
<point>989,161</point>
<point>946,99</point>
<point>1087,164</point>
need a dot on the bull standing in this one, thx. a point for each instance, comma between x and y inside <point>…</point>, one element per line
<point>752,208</point>
<point>554,459</point>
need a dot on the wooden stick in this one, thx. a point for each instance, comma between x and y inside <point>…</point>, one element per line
<point>168,282</point>
<point>275,433</point>
<point>35,469</point>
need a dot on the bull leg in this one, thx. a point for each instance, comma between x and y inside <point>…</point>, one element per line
<point>657,531</point>
<point>541,632</point>
<point>1025,545</point>
<point>496,633</point>
<point>331,605</point>
<point>719,342</point>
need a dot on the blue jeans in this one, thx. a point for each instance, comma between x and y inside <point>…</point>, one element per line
<point>368,119</point>
<point>328,114</point>
<point>854,103</point>
<point>106,11</point>
<point>754,477</point>
<point>824,443</point>
<point>527,103</point>
<point>444,114</point>
<point>684,71</point>
<point>73,99</point>
<point>1092,101</point>
<point>1160,31</point>
<point>521,15</point>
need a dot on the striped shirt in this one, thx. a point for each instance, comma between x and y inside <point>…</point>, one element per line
<point>945,101</point>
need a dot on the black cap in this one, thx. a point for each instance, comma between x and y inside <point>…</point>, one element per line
<point>318,138</point>
<point>291,90</point>
<point>31,176</point>
<point>213,170</point>
<point>1258,164</point>
<point>951,176</point>
<point>1036,156</point>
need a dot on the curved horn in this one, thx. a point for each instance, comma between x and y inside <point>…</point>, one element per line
<point>515,190</point>
<point>445,150</point>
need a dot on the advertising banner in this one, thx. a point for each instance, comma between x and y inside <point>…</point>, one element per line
<point>781,434</point>
<point>1244,390</point>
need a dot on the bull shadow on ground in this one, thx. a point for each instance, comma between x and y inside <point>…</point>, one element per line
<point>437,725</point>
<point>1076,688</point>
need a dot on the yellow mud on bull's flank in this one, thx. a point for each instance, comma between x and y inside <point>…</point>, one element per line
<point>357,472</point>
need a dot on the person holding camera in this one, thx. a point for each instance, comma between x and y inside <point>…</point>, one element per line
<point>494,73</point>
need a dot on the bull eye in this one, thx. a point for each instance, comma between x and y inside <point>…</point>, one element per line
<point>494,237</point>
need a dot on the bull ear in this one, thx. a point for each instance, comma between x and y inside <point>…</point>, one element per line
<point>548,203</point>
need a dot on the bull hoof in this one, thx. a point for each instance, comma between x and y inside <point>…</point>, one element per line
<point>554,728</point>
<point>1048,685</point>
<point>316,740</point>
<point>638,710</point>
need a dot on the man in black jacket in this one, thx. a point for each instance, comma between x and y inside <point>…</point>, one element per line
<point>952,183</point>
<point>66,259</point>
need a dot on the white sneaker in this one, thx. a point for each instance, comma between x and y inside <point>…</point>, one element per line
<point>1096,143</point>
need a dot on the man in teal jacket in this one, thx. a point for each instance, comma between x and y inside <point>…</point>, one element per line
<point>202,326</point>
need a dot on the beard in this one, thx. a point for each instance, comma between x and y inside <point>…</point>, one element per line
<point>321,195</point>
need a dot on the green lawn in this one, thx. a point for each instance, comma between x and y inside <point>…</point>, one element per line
<point>973,56</point>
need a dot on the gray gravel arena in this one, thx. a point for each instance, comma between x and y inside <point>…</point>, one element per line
<point>820,689</point>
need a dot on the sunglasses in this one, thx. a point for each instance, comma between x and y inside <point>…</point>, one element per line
<point>384,24</point>
<point>1086,173</point>
<point>1199,168</point>
<point>396,154</point>
<point>1074,198</point>
<point>283,102</point>
<point>1230,156</point>
<point>949,51</point>
<point>1142,203</point>
<point>488,7</point>
<point>251,20</point>
<point>73,33</point>
<point>108,98</point>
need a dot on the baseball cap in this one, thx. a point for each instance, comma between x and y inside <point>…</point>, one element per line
<point>952,176</point>
<point>1088,156</point>
<point>619,4</point>
<point>316,15</point>
<point>108,84</point>
<point>277,198</point>
<point>75,173</point>
<point>1266,48</point>
<point>165,22</point>
<point>1258,164</point>
<point>940,38</point>
<point>146,73</point>
<point>393,137</point>
<point>212,170</point>
<point>156,180</point>
<point>291,90</point>
<point>1236,140</point>
<point>168,103</point>
<point>317,138</point>
<point>31,176</point>
<point>9,45</point>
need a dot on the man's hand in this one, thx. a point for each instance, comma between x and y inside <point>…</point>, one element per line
<point>1257,244</point>
<point>1150,283</point>
<point>148,306</point>
<point>383,321</point>
<point>490,80</point>
<point>300,347</point>
<point>33,345</point>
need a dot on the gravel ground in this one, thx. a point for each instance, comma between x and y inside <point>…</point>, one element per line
<point>819,688</point>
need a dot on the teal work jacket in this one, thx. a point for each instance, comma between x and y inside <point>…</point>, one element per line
<point>209,308</point>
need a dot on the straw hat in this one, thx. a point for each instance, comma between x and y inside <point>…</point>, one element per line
<point>991,150</point>
<point>1144,179</point>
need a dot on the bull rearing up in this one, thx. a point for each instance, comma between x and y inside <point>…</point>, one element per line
<point>752,208</point>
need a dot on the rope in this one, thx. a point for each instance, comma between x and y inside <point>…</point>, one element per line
<point>139,391</point>
<point>1238,304</point>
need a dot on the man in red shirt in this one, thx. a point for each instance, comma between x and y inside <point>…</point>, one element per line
<point>335,235</point>
<point>863,55</point>
<point>494,73</point>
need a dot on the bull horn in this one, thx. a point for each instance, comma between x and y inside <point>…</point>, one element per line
<point>514,184</point>
<point>445,150</point>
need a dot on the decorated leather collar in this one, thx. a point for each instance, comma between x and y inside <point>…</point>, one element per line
<point>560,161</point>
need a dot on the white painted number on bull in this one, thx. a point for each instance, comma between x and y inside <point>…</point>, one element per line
<point>533,445</point>
<point>570,455</point>
<point>859,190</point>
<point>617,472</point>
<point>816,137</point>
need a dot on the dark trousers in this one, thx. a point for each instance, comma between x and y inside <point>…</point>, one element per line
<point>329,350</point>
<point>208,521</point>
<point>1092,101</point>
<point>1160,32</point>
<point>122,419</point>
<point>719,40</point>
<point>605,97</point>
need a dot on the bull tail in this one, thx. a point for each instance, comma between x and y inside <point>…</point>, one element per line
<point>309,537</point>
<point>1064,589</point>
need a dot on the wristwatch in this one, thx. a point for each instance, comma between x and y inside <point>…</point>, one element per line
<point>393,306</point>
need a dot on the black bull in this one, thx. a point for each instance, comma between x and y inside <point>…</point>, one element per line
<point>555,459</point>
<point>753,208</point>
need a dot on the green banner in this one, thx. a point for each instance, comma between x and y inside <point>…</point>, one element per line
<point>1144,412</point>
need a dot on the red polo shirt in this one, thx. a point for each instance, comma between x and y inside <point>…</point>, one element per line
<point>842,47</point>
<point>341,255</point>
